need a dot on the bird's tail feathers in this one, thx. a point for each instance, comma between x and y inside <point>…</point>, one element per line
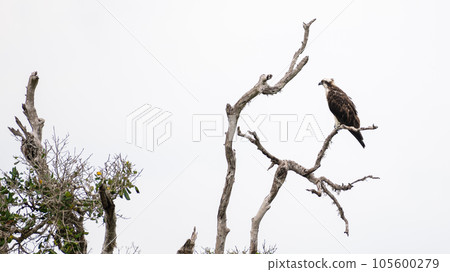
<point>358,137</point>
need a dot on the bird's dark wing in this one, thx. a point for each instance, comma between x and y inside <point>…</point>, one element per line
<point>344,110</point>
<point>342,107</point>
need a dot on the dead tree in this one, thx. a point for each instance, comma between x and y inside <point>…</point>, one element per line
<point>47,206</point>
<point>35,155</point>
<point>323,184</point>
<point>233,113</point>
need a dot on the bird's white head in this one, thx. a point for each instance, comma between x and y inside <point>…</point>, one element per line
<point>326,82</point>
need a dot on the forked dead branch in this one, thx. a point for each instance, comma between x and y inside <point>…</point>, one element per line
<point>233,113</point>
<point>284,166</point>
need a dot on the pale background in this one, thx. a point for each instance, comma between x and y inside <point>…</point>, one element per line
<point>98,61</point>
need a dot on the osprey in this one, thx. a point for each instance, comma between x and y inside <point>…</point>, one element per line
<point>342,107</point>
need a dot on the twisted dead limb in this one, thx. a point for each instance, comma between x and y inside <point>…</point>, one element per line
<point>280,175</point>
<point>233,113</point>
<point>31,146</point>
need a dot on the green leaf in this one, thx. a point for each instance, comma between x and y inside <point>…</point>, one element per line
<point>127,196</point>
<point>14,173</point>
<point>136,189</point>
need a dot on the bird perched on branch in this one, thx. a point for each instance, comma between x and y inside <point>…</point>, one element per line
<point>342,107</point>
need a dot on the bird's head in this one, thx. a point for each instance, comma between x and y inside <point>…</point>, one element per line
<point>326,82</point>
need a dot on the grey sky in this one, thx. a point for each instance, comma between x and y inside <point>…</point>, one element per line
<point>98,61</point>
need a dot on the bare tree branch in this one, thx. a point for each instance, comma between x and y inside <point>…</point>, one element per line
<point>133,249</point>
<point>32,141</point>
<point>253,138</point>
<point>338,205</point>
<point>30,111</point>
<point>188,247</point>
<point>292,72</point>
<point>327,142</point>
<point>278,180</point>
<point>364,178</point>
<point>320,182</point>
<point>233,113</point>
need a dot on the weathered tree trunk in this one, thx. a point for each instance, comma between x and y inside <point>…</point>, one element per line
<point>110,221</point>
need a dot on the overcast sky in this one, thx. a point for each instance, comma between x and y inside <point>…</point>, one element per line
<point>100,61</point>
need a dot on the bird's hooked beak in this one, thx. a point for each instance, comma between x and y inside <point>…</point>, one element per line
<point>321,82</point>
